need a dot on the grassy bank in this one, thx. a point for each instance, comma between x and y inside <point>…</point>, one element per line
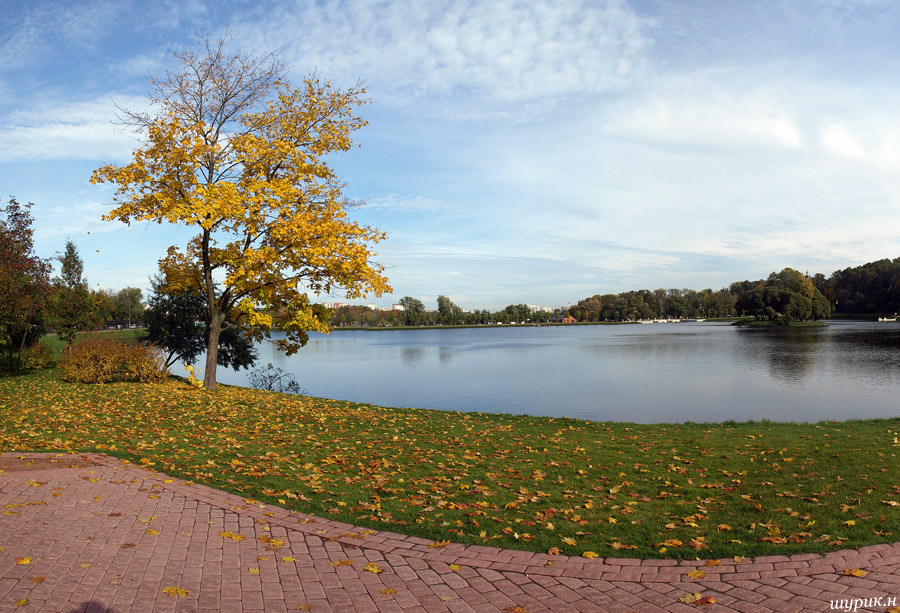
<point>688,490</point>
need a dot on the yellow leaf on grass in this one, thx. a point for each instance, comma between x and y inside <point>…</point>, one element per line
<point>372,567</point>
<point>553,551</point>
<point>569,541</point>
<point>439,544</point>
<point>590,555</point>
<point>175,591</point>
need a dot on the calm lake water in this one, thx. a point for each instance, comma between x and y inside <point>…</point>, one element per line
<point>701,372</point>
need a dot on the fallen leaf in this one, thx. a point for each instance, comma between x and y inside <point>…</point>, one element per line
<point>590,555</point>
<point>439,544</point>
<point>38,579</point>
<point>288,559</point>
<point>25,560</point>
<point>22,603</point>
<point>454,566</point>
<point>372,567</point>
<point>696,574</point>
<point>388,590</point>
<point>342,562</point>
<point>855,572</point>
<point>253,571</point>
<point>175,591</point>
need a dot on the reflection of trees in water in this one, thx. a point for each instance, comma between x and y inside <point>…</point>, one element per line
<point>790,352</point>
<point>417,355</point>
<point>446,354</point>
<point>412,355</point>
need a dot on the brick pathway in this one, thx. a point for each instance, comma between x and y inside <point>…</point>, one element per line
<point>102,535</point>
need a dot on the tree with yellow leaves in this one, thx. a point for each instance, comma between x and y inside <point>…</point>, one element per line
<point>238,153</point>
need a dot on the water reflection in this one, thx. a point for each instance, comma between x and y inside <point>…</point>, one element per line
<point>445,355</point>
<point>412,356</point>
<point>788,352</point>
<point>658,373</point>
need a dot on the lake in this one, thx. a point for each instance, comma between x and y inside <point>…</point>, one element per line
<point>676,372</point>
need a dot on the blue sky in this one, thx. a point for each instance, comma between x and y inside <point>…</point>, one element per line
<point>537,152</point>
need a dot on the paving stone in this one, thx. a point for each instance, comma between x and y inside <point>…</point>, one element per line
<point>119,537</point>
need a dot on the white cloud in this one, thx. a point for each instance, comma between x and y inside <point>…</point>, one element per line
<point>500,51</point>
<point>695,112</point>
<point>68,130</point>
<point>837,140</point>
<point>408,204</point>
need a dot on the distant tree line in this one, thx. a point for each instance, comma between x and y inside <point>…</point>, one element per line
<point>868,289</point>
<point>412,312</point>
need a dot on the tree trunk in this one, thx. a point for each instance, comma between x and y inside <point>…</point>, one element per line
<point>212,351</point>
<point>216,318</point>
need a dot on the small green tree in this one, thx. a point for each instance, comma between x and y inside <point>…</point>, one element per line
<point>179,322</point>
<point>73,307</point>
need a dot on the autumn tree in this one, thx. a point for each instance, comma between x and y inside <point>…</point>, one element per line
<point>24,282</point>
<point>237,153</point>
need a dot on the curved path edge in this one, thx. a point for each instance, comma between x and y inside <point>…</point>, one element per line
<point>102,534</point>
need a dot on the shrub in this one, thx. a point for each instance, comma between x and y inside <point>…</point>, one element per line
<point>274,379</point>
<point>144,363</point>
<point>99,359</point>
<point>37,355</point>
<point>94,359</point>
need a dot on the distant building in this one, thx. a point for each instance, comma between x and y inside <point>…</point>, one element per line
<point>568,319</point>
<point>397,307</point>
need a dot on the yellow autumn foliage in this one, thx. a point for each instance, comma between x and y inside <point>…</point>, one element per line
<point>244,165</point>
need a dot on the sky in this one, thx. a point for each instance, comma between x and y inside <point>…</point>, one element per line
<point>534,152</point>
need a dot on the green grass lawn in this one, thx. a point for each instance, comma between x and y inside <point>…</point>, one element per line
<point>617,489</point>
<point>57,345</point>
